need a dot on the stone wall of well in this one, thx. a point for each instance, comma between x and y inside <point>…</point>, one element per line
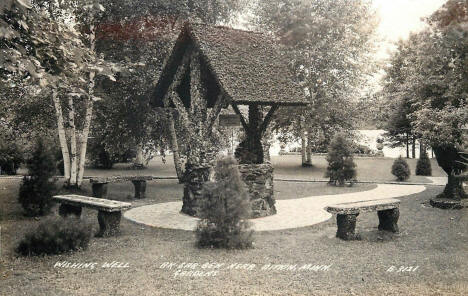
<point>257,177</point>
<point>195,177</point>
<point>259,181</point>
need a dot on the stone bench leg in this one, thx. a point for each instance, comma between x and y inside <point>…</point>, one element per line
<point>109,223</point>
<point>388,219</point>
<point>140,188</point>
<point>347,226</point>
<point>66,210</point>
<point>100,190</point>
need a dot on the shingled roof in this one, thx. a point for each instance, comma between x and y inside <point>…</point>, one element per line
<point>246,65</point>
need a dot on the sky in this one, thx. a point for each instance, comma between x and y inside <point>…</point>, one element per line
<point>399,17</point>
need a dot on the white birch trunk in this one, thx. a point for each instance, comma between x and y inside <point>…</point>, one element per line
<point>88,116</point>
<point>139,159</point>
<point>309,150</point>
<point>62,137</point>
<point>303,147</point>
<point>303,141</point>
<point>84,140</point>
<point>73,158</point>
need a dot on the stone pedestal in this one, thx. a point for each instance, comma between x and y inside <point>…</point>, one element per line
<point>109,223</point>
<point>388,220</point>
<point>99,190</point>
<point>194,179</point>
<point>259,181</point>
<point>347,226</point>
<point>140,188</point>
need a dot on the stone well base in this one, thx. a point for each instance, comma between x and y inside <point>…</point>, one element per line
<point>194,180</point>
<point>259,181</point>
<point>257,177</point>
<point>446,203</point>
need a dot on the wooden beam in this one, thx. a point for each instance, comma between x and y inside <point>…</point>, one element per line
<point>268,118</point>
<point>197,93</point>
<point>242,119</point>
<point>177,78</point>
<point>215,111</point>
<point>177,101</point>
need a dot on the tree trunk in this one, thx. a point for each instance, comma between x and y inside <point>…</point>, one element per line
<point>309,150</point>
<point>413,148</point>
<point>139,159</point>
<point>303,148</point>
<point>73,156</point>
<point>62,137</point>
<point>175,147</point>
<point>303,141</point>
<point>407,146</point>
<point>84,140</point>
<point>422,148</point>
<point>88,114</point>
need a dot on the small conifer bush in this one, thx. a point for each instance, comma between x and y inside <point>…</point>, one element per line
<point>224,210</point>
<point>55,236</point>
<point>341,166</point>
<point>400,169</point>
<point>423,166</point>
<point>35,194</point>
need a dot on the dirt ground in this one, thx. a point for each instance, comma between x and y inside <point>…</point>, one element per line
<point>432,248</point>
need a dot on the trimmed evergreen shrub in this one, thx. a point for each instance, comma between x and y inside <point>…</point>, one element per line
<point>224,208</point>
<point>35,193</point>
<point>400,169</point>
<point>55,236</point>
<point>341,166</point>
<point>423,166</point>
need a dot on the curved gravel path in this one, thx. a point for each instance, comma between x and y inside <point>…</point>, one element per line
<point>293,213</point>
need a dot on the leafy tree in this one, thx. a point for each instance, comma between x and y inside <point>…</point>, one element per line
<point>48,48</point>
<point>331,45</point>
<point>140,35</point>
<point>441,76</point>
<point>341,166</point>
<point>398,96</point>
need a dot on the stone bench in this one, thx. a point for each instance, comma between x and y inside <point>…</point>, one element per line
<point>99,184</point>
<point>109,211</point>
<point>387,211</point>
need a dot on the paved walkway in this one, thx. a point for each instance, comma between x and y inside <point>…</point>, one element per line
<point>293,213</point>
<point>440,181</point>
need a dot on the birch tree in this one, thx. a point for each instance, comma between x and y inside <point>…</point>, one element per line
<point>45,48</point>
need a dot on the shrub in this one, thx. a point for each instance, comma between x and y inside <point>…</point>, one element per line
<point>341,166</point>
<point>35,194</point>
<point>224,208</point>
<point>10,157</point>
<point>400,169</point>
<point>54,236</point>
<point>423,166</point>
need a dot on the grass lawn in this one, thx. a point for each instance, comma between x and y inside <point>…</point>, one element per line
<point>286,166</point>
<point>368,169</point>
<point>435,240</point>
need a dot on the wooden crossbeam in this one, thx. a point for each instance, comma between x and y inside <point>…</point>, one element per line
<point>220,102</point>
<point>177,79</point>
<point>268,118</point>
<point>242,119</point>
